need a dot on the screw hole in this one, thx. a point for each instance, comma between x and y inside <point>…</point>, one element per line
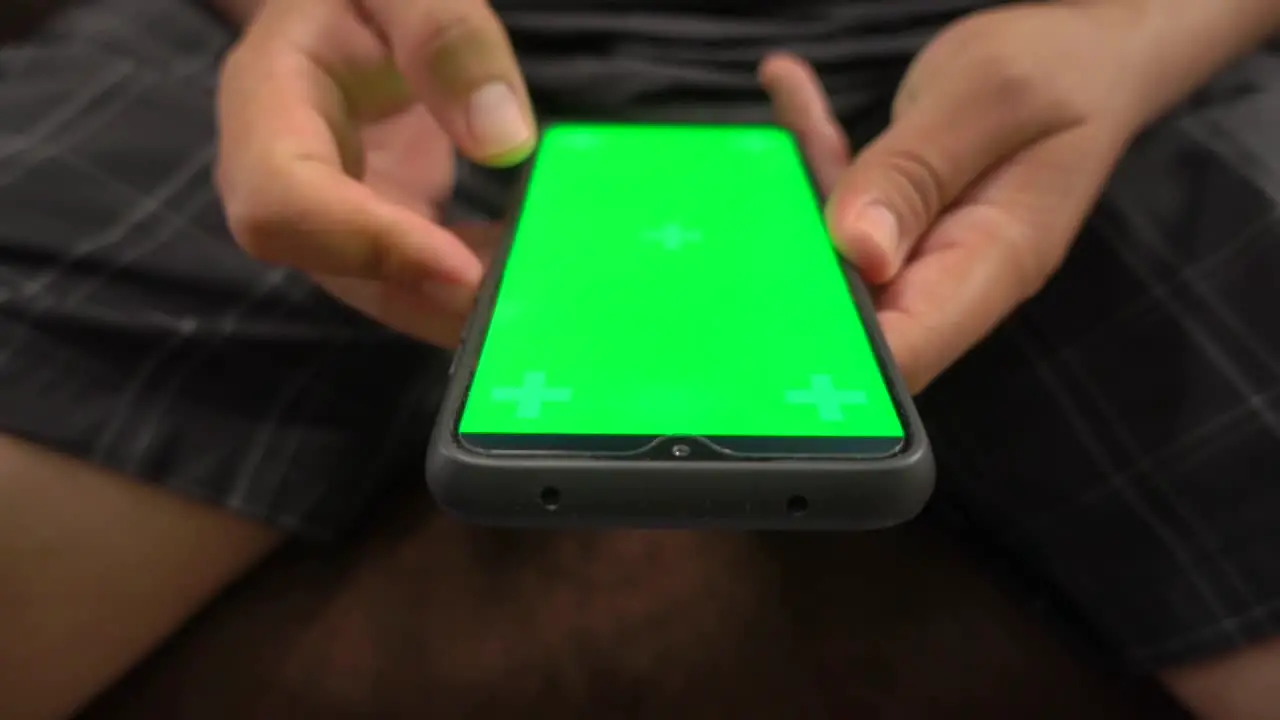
<point>550,498</point>
<point>797,505</point>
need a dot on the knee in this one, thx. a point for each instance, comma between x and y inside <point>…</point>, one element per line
<point>1241,686</point>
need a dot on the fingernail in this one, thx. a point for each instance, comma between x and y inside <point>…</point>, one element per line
<point>878,222</point>
<point>498,122</point>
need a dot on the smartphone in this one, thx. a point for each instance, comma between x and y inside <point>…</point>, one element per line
<point>669,339</point>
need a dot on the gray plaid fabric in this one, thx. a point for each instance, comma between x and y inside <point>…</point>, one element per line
<point>133,332</point>
<point>1118,435</point>
<point>1115,437</point>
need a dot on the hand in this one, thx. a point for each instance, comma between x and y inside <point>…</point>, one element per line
<point>1004,131</point>
<point>337,130</point>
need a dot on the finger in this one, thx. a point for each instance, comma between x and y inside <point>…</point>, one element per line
<point>435,314</point>
<point>982,260</point>
<point>285,154</point>
<point>801,105</point>
<point>946,300</point>
<point>409,161</point>
<point>456,56</point>
<point>484,238</point>
<point>941,142</point>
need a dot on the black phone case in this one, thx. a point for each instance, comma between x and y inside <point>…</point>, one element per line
<point>758,494</point>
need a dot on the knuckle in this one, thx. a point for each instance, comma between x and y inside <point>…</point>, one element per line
<point>922,184</point>
<point>1015,88</point>
<point>1031,263</point>
<point>440,29</point>
<point>246,200</point>
<point>255,229</point>
<point>992,68</point>
<point>260,222</point>
<point>1010,85</point>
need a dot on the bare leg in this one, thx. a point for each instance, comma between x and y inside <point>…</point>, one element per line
<point>95,571</point>
<point>1240,686</point>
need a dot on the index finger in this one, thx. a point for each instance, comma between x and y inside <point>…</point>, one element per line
<point>801,104</point>
<point>458,59</point>
<point>286,150</point>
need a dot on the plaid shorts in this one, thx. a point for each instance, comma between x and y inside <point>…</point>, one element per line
<point>1112,438</point>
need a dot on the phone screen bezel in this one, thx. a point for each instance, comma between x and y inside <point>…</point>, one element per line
<point>694,447</point>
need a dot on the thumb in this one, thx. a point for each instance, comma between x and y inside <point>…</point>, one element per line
<point>935,147</point>
<point>457,59</point>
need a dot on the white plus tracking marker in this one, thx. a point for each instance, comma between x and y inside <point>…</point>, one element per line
<point>674,237</point>
<point>532,395</point>
<point>757,142</point>
<point>581,141</point>
<point>823,395</point>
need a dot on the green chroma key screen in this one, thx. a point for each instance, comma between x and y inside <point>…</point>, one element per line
<point>675,280</point>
